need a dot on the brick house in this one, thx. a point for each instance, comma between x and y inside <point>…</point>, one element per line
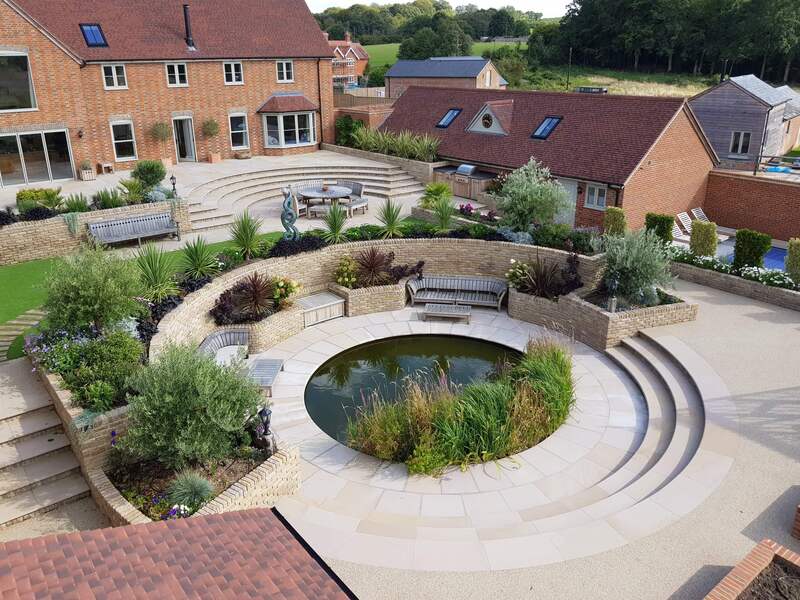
<point>350,61</point>
<point>745,118</point>
<point>464,72</point>
<point>644,154</point>
<point>87,80</point>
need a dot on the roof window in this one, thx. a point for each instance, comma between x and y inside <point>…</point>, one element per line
<point>546,128</point>
<point>93,35</point>
<point>448,118</point>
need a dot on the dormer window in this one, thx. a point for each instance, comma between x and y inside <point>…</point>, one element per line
<point>546,128</point>
<point>448,118</point>
<point>493,119</point>
<point>93,35</point>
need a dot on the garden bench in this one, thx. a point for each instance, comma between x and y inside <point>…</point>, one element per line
<point>447,311</point>
<point>134,228</point>
<point>477,291</point>
<point>263,372</point>
<point>234,339</point>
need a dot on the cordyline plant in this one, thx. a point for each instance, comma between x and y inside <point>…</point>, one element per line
<point>373,267</point>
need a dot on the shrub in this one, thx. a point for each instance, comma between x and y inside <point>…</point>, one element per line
<point>750,249</point>
<point>390,219</point>
<point>530,195</point>
<point>37,213</point>
<point>443,213</point>
<point>185,408</point>
<point>434,191</point>
<point>244,235</point>
<point>210,128</point>
<point>793,260</point>
<point>636,264</point>
<point>7,217</point>
<point>149,172</point>
<point>661,225</point>
<point>345,274</point>
<point>246,302</point>
<point>516,237</point>
<point>415,229</point>
<point>367,232</point>
<point>198,260</point>
<point>306,243</point>
<point>283,289</point>
<point>110,198</point>
<point>537,278</point>
<point>31,198</point>
<point>76,203</point>
<point>190,489</point>
<point>160,132</point>
<point>770,277</point>
<point>703,240</point>
<point>334,221</point>
<point>373,267</point>
<point>403,144</point>
<point>132,190</point>
<point>156,271</point>
<point>552,235</point>
<point>614,222</point>
<point>91,288</point>
<point>345,126</point>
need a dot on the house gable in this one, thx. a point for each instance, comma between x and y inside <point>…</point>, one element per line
<point>487,122</point>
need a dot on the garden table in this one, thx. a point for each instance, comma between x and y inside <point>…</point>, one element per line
<point>331,192</point>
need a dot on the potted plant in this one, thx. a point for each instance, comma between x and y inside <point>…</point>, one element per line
<point>161,132</point>
<point>210,130</point>
<point>87,173</point>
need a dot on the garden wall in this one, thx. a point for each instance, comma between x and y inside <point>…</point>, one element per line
<point>190,322</point>
<point>29,240</point>
<point>738,285</point>
<point>587,323</point>
<point>274,329</point>
<point>750,567</point>
<point>418,169</point>
<point>364,301</point>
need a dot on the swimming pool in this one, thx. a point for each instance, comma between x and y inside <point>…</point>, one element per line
<point>775,259</point>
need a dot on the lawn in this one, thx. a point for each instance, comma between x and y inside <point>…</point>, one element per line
<point>795,152</point>
<point>386,54</point>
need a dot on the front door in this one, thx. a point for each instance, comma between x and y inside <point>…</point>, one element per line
<point>567,215</point>
<point>184,139</point>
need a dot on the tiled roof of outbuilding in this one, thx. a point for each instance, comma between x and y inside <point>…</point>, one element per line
<point>439,67</point>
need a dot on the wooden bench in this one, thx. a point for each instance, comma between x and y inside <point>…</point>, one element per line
<point>477,291</point>
<point>447,311</point>
<point>134,228</point>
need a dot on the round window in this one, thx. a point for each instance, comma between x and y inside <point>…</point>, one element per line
<point>487,120</point>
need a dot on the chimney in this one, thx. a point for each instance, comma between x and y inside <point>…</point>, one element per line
<point>347,36</point>
<point>326,34</point>
<point>187,21</point>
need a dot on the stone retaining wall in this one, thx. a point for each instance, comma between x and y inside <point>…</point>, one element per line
<point>274,329</point>
<point>190,322</point>
<point>416,168</point>
<point>588,323</point>
<point>738,285</point>
<point>29,240</point>
<point>379,298</point>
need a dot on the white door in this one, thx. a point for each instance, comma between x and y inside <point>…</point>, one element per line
<point>183,128</point>
<point>567,215</point>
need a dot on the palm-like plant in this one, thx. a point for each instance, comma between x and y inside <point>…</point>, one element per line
<point>244,235</point>
<point>389,216</point>
<point>255,296</point>
<point>156,272</point>
<point>434,191</point>
<point>443,212</point>
<point>198,260</point>
<point>541,279</point>
<point>334,225</point>
<point>373,267</point>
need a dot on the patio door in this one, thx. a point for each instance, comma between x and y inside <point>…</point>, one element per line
<point>567,215</point>
<point>184,139</point>
<point>34,158</point>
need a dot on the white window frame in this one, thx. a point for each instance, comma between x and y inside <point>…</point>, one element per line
<point>281,136</point>
<point>177,83</point>
<point>738,150</point>
<point>246,131</point>
<point>133,140</point>
<point>591,200</point>
<point>115,76</point>
<point>35,106</point>
<point>278,64</point>
<point>232,64</point>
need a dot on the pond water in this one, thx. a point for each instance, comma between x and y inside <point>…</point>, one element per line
<point>348,380</point>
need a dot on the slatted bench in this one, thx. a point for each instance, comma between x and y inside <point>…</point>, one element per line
<point>447,311</point>
<point>477,291</point>
<point>134,228</point>
<point>263,372</point>
<point>235,339</point>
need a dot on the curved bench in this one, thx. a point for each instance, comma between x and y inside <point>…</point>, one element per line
<point>225,338</point>
<point>476,291</point>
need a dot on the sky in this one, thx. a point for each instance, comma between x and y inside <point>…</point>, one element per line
<point>548,8</point>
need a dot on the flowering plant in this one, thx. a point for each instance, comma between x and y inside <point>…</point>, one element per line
<point>283,288</point>
<point>466,209</point>
<point>345,273</point>
<point>770,277</point>
<point>518,272</point>
<point>178,511</point>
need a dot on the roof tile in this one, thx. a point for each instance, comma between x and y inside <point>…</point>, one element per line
<point>281,103</point>
<point>439,67</point>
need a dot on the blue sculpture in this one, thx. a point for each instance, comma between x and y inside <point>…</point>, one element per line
<point>289,216</point>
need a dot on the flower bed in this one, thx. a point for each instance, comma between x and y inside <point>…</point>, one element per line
<point>769,277</point>
<point>418,169</point>
<point>368,300</point>
<point>756,576</point>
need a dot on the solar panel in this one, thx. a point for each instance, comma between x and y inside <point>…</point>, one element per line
<point>93,35</point>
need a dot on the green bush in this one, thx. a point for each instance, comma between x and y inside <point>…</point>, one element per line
<point>199,260</point>
<point>160,132</point>
<point>33,197</point>
<point>390,219</point>
<point>443,212</point>
<point>244,235</point>
<point>149,172</point>
<point>345,126</point>
<point>404,144</point>
<point>750,249</point>
<point>187,409</point>
<point>75,203</point>
<point>156,271</point>
<point>91,288</point>
<point>210,128</point>
<point>434,191</point>
<point>190,489</point>
<point>346,272</point>
<point>661,225</point>
<point>614,222</point>
<point>552,235</point>
<point>530,195</point>
<point>111,198</point>
<point>637,263</point>
<point>132,190</point>
<point>703,240</point>
<point>793,260</point>
<point>366,232</point>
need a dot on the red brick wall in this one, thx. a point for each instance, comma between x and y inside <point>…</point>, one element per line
<point>740,200</point>
<point>395,86</point>
<point>372,116</point>
<point>672,177</point>
<point>74,97</point>
<point>590,217</point>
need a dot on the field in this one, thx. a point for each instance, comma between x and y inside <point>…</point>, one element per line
<point>386,54</point>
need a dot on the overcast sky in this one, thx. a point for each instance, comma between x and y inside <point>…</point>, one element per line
<point>549,8</point>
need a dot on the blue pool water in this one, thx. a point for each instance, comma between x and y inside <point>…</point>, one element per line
<point>775,259</point>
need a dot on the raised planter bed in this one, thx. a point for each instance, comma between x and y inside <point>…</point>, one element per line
<point>379,298</point>
<point>416,168</point>
<point>423,214</point>
<point>737,285</point>
<point>747,573</point>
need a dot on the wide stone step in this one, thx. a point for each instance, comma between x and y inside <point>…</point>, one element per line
<point>42,498</point>
<point>32,447</point>
<point>19,478</point>
<point>29,424</point>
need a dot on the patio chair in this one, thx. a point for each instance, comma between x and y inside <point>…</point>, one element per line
<point>677,234</point>
<point>299,210</point>
<point>356,199</point>
<point>686,221</point>
<point>796,163</point>
<point>319,209</point>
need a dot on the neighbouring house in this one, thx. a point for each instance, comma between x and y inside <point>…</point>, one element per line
<point>464,72</point>
<point>87,80</point>
<point>350,61</point>
<point>644,154</point>
<point>746,119</point>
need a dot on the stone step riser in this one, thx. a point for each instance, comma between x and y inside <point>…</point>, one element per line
<point>23,461</point>
<point>36,484</point>
<point>46,509</point>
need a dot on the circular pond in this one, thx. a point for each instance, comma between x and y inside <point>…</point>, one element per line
<point>346,382</point>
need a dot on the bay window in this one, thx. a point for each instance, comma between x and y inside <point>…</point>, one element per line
<point>16,83</point>
<point>289,129</point>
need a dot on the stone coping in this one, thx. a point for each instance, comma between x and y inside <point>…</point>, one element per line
<point>738,285</point>
<point>750,567</point>
<point>417,168</point>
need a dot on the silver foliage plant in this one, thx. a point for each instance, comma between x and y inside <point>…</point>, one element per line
<point>637,264</point>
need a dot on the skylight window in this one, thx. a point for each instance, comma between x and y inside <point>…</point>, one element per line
<point>448,118</point>
<point>93,35</point>
<point>546,128</point>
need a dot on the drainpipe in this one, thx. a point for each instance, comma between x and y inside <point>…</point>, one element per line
<point>319,99</point>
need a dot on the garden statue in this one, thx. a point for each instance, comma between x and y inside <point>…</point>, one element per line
<point>289,216</point>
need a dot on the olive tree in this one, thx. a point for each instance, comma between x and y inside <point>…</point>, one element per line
<point>530,195</point>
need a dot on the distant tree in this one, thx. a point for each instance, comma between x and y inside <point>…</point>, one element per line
<point>422,45</point>
<point>501,24</point>
<point>447,40</point>
<point>336,31</point>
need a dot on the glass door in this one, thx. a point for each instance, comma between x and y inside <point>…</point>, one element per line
<point>11,172</point>
<point>34,156</point>
<point>58,155</point>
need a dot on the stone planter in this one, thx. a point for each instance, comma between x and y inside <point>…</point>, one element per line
<point>750,567</point>
<point>214,157</point>
<point>379,298</point>
<point>87,174</point>
<point>242,155</point>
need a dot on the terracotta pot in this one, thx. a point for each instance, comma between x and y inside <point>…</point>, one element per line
<point>214,157</point>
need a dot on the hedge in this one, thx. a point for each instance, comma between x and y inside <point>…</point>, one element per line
<point>614,221</point>
<point>661,225</point>
<point>703,241</point>
<point>793,260</point>
<point>750,249</point>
